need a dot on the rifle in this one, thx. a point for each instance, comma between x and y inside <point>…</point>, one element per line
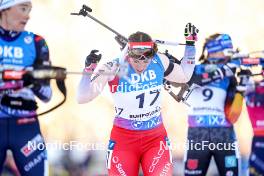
<point>237,60</point>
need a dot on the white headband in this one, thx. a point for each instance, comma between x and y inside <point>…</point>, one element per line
<point>4,4</point>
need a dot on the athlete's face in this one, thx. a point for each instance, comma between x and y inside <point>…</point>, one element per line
<point>139,65</point>
<point>139,58</point>
<point>16,17</point>
<point>219,54</point>
<point>217,58</point>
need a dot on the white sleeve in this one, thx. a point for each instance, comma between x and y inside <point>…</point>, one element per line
<point>250,86</point>
<point>91,86</point>
<point>181,73</point>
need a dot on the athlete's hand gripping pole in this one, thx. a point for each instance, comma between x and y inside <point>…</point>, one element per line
<point>190,33</point>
